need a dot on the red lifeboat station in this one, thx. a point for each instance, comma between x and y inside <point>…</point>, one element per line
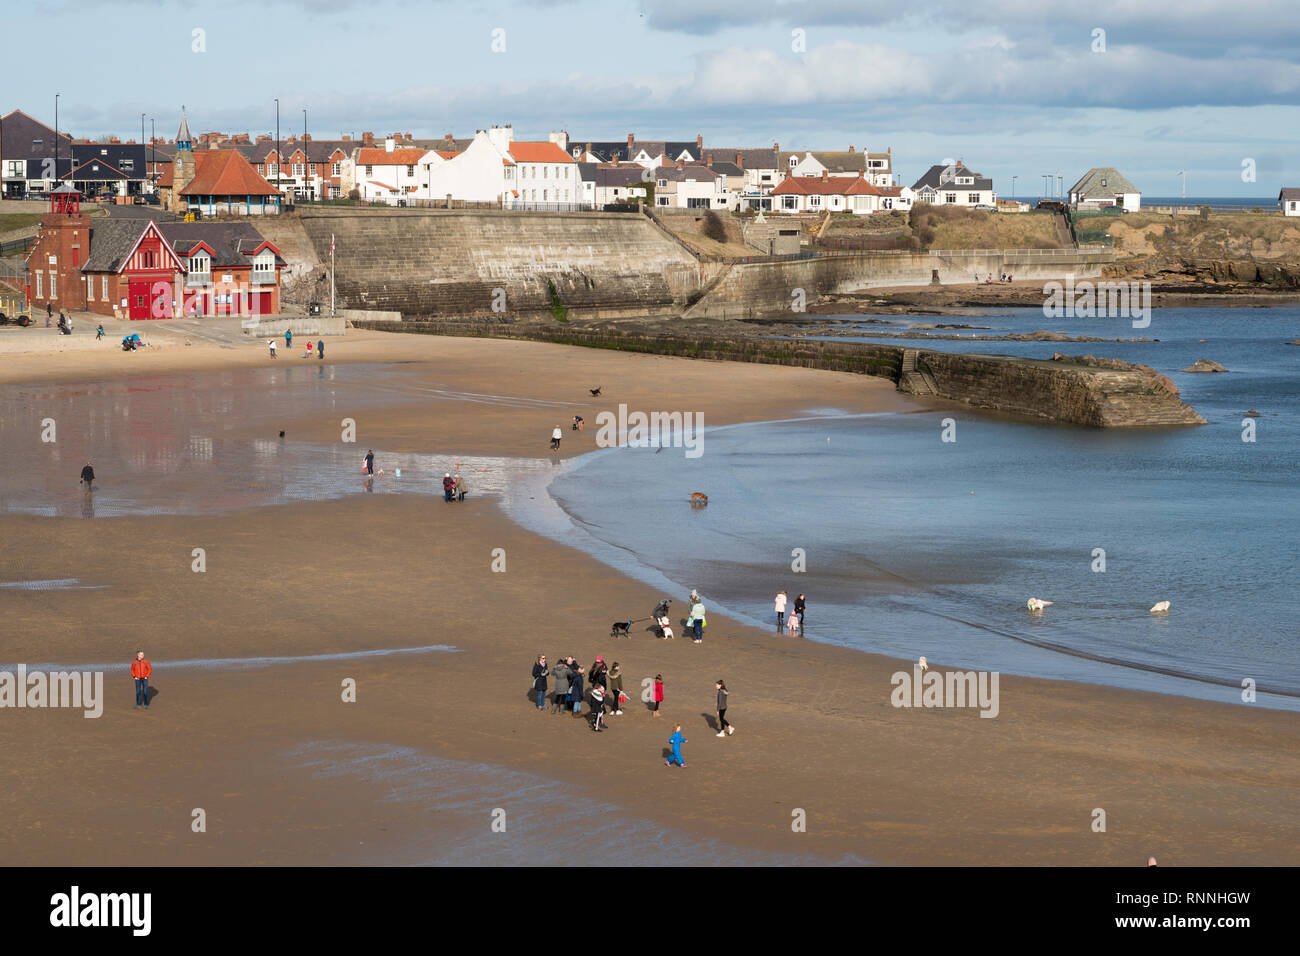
<point>142,269</point>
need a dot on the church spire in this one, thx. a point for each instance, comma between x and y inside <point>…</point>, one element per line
<point>183,138</point>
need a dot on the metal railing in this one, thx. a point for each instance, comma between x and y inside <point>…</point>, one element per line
<point>1086,249</point>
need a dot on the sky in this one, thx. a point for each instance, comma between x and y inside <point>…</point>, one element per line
<point>1011,87</point>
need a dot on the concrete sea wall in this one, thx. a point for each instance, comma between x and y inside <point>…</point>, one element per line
<point>1066,391</point>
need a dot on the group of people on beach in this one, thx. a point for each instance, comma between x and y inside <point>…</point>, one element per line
<point>601,686</point>
<point>794,623</point>
<point>454,488</point>
<point>288,345</point>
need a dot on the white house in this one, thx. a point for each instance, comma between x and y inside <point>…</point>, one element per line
<point>1289,200</point>
<point>692,186</point>
<point>954,185</point>
<point>391,174</point>
<point>876,168</point>
<point>854,194</point>
<point>1105,186</point>
<point>620,183</point>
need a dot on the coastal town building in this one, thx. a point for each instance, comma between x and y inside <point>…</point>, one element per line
<point>213,181</point>
<point>619,183</point>
<point>852,194</point>
<point>876,168</point>
<point>1105,186</point>
<point>1289,200</point>
<point>28,155</point>
<point>119,169</point>
<point>692,186</point>
<point>142,269</point>
<point>389,174</point>
<point>954,184</point>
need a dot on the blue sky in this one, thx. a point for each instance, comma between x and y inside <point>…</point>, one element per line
<point>1013,87</point>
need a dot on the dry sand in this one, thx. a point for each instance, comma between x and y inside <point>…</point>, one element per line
<point>1188,781</point>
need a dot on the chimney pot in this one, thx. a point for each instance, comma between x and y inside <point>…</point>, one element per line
<point>825,175</point>
<point>699,140</point>
<point>776,147</point>
<point>630,139</point>
<point>850,147</point>
<point>740,160</point>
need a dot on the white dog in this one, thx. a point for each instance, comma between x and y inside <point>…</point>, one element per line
<point>925,666</point>
<point>1161,608</point>
<point>1035,604</point>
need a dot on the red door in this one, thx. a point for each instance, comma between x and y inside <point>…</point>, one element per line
<point>138,303</point>
<point>262,303</point>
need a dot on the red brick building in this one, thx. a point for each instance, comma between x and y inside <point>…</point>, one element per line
<point>142,269</point>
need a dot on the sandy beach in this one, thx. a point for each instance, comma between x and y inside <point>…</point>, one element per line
<point>1191,782</point>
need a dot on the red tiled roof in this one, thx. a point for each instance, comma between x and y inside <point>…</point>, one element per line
<point>447,153</point>
<point>525,152</point>
<point>830,186</point>
<point>382,157</point>
<point>225,172</point>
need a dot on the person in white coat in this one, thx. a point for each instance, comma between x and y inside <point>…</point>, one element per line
<point>780,609</point>
<point>555,437</point>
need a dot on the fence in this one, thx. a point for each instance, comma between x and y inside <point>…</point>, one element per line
<point>866,243</point>
<point>19,246</point>
<point>515,206</point>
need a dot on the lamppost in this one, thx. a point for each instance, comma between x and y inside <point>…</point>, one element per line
<point>277,146</point>
<point>153,176</point>
<point>305,158</point>
<point>56,136</point>
<point>1013,186</point>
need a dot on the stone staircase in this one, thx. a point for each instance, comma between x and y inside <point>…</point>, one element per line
<point>913,380</point>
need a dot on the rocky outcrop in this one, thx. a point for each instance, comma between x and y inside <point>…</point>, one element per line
<point>1205,365</point>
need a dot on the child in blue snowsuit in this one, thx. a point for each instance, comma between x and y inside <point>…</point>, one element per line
<point>676,740</point>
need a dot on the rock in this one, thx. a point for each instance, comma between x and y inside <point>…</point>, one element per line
<point>1253,414</point>
<point>1205,365</point>
<point>1296,342</point>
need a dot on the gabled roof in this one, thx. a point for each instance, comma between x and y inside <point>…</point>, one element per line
<point>1287,195</point>
<point>587,171</point>
<point>225,172</point>
<point>834,161</point>
<point>538,152</point>
<point>229,243</point>
<point>933,175</point>
<point>20,130</point>
<point>830,186</point>
<point>748,158</point>
<point>113,240</point>
<point>401,156</point>
<point>726,169</point>
<point>95,170</point>
<point>1090,185</point>
<point>624,175</point>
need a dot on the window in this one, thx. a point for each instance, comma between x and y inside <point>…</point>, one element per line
<point>128,165</point>
<point>261,169</point>
<point>37,143</point>
<point>200,265</point>
<point>663,200</point>
<point>949,197</point>
<point>297,169</point>
<point>39,294</point>
<point>264,264</point>
<point>793,162</point>
<point>334,169</point>
<point>370,170</point>
<point>663,184</point>
<point>546,171</point>
<point>274,168</point>
<point>789,202</point>
<point>103,152</point>
<point>814,200</point>
<point>103,289</point>
<point>54,292</point>
<point>701,203</point>
<point>410,172</point>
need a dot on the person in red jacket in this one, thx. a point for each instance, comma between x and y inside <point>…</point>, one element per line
<point>140,670</point>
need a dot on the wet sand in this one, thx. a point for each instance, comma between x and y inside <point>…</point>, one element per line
<point>1187,781</point>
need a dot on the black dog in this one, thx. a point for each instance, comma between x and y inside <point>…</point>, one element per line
<point>620,629</point>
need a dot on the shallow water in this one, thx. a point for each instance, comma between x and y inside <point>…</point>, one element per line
<point>920,547</point>
<point>545,823</point>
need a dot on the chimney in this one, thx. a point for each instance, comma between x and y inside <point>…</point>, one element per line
<point>389,144</point>
<point>850,147</point>
<point>347,138</point>
<point>710,162</point>
<point>631,138</point>
<point>306,137</point>
<point>449,139</point>
<point>825,175</point>
<point>740,159</point>
<point>776,147</point>
<point>699,141</point>
<point>368,139</point>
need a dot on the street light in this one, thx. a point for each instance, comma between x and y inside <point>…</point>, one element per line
<point>56,136</point>
<point>1013,186</point>
<point>306,159</point>
<point>277,146</point>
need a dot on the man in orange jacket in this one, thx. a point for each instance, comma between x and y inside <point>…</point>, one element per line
<point>140,670</point>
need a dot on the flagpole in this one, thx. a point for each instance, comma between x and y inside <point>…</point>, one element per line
<point>332,274</point>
